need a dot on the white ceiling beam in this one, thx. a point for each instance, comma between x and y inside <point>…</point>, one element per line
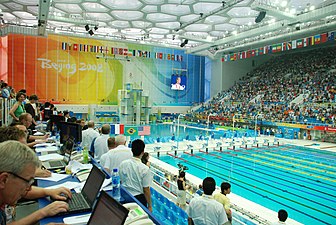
<point>273,11</point>
<point>44,6</point>
<point>312,15</point>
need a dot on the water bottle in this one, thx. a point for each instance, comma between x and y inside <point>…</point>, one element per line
<point>85,155</point>
<point>116,185</point>
<point>58,139</point>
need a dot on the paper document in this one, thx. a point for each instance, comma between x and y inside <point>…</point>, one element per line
<point>54,177</point>
<point>53,156</point>
<point>46,149</point>
<point>77,166</point>
<point>77,220</point>
<point>68,184</point>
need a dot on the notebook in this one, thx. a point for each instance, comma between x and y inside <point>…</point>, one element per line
<point>83,202</point>
<point>60,164</point>
<point>107,211</point>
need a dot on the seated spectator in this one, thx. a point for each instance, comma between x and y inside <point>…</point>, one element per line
<point>100,144</point>
<point>282,216</point>
<point>17,169</point>
<point>224,200</point>
<point>145,159</point>
<point>114,157</point>
<point>205,210</point>
<point>135,176</point>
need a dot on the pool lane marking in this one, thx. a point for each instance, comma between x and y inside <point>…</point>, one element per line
<point>298,165</point>
<point>280,196</point>
<point>300,160</point>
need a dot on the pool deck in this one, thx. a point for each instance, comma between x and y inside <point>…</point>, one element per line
<point>241,202</point>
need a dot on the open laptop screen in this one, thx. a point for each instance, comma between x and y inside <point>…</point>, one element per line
<point>93,184</point>
<point>108,211</point>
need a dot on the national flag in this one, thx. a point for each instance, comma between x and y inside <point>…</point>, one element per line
<point>75,48</point>
<point>331,36</point>
<point>310,41</point>
<point>317,39</point>
<point>86,48</point>
<point>248,54</point>
<point>106,50</point>
<point>289,45</point>
<point>261,51</point>
<point>231,57</point>
<point>131,131</point>
<point>134,53</point>
<point>305,42</point>
<point>222,59</point>
<point>148,54</point>
<point>299,43</point>
<point>172,57</point>
<point>80,47</point>
<point>101,49</point>
<point>64,46</point>
<point>244,55</point>
<point>226,58</point>
<point>143,130</point>
<point>130,52</point>
<point>117,129</point>
<point>294,44</point>
<point>181,58</point>
<point>160,55</point>
<point>265,49</point>
<point>253,53</point>
<point>125,51</point>
<point>69,46</point>
<point>274,48</point>
<point>324,37</point>
<point>235,56</point>
<point>120,51</point>
<point>283,46</point>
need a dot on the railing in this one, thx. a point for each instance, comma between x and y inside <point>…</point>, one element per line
<point>6,105</point>
<point>239,214</point>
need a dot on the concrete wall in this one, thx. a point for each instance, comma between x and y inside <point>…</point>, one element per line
<point>232,71</point>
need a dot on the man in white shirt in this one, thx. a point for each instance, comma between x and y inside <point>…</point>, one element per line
<point>100,144</point>
<point>205,210</point>
<point>177,85</point>
<point>114,157</point>
<point>136,176</point>
<point>88,135</point>
<point>282,215</point>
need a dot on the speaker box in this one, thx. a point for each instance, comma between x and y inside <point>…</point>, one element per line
<point>260,17</point>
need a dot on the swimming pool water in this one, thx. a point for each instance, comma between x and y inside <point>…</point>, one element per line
<point>297,179</point>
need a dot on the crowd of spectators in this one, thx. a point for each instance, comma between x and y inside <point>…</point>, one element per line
<point>297,87</point>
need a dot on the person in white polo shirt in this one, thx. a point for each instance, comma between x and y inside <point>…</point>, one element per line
<point>136,176</point>
<point>115,156</point>
<point>205,210</point>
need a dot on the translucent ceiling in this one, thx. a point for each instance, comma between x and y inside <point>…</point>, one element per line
<point>158,21</point>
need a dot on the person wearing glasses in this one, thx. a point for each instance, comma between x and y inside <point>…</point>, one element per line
<point>17,172</point>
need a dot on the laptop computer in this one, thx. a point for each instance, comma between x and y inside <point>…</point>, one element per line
<point>107,211</point>
<point>61,164</point>
<point>83,202</point>
<point>66,147</point>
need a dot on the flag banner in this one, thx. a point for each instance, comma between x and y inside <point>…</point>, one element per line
<point>299,43</point>
<point>64,46</point>
<point>225,58</point>
<point>131,131</point>
<point>144,130</point>
<point>324,37</point>
<point>294,44</point>
<point>331,36</point>
<point>284,46</point>
<point>253,53</point>
<point>75,47</point>
<point>117,129</point>
<point>317,39</point>
<point>289,45</point>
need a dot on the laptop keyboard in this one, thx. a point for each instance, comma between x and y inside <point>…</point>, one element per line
<point>55,164</point>
<point>77,201</point>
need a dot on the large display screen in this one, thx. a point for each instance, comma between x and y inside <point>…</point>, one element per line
<point>178,82</point>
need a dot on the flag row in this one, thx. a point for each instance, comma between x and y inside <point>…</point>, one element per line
<point>280,47</point>
<point>120,51</point>
<point>130,130</point>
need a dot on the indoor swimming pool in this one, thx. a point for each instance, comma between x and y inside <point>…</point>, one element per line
<point>298,179</point>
